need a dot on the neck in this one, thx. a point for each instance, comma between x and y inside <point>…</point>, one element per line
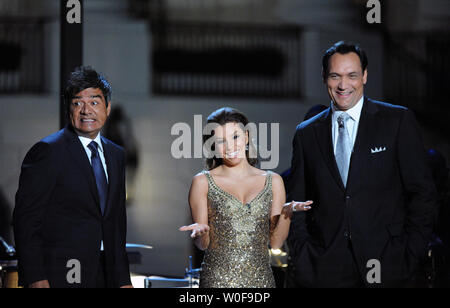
<point>90,136</point>
<point>337,108</point>
<point>239,170</point>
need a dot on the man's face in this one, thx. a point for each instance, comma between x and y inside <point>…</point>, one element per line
<point>345,80</point>
<point>88,112</point>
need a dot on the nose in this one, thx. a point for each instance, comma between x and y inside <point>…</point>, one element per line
<point>86,109</point>
<point>232,145</point>
<point>342,85</point>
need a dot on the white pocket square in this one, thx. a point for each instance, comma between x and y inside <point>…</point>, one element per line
<point>377,150</point>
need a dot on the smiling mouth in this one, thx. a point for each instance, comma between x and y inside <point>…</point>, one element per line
<point>344,94</point>
<point>87,120</point>
<point>232,155</point>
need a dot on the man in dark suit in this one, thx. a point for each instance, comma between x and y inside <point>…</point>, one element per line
<point>363,164</point>
<point>69,218</point>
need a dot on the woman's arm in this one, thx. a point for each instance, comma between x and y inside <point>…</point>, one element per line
<point>280,218</point>
<point>198,201</point>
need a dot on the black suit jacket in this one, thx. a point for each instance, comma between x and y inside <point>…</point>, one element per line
<point>57,217</point>
<point>386,210</point>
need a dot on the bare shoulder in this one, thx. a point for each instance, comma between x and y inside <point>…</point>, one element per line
<point>277,180</point>
<point>200,180</point>
<point>275,176</point>
<point>278,185</point>
<point>199,186</point>
<point>259,172</point>
<point>198,191</point>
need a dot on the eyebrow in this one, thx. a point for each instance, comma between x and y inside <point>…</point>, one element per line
<point>92,96</point>
<point>334,73</point>
<point>234,132</point>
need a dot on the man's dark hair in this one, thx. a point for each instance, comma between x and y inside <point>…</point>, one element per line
<point>82,78</point>
<point>343,48</point>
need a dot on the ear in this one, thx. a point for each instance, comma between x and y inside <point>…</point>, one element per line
<point>324,77</point>
<point>246,137</point>
<point>365,76</point>
<point>108,109</point>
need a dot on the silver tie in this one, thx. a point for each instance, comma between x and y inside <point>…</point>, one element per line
<point>343,147</point>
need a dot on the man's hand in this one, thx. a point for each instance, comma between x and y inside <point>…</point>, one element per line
<point>42,284</point>
<point>129,286</point>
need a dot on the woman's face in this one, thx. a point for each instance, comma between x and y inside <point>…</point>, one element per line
<point>230,143</point>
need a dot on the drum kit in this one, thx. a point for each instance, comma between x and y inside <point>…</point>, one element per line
<point>9,271</point>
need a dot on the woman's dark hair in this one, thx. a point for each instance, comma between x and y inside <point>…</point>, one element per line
<point>82,78</point>
<point>221,117</point>
<point>343,48</point>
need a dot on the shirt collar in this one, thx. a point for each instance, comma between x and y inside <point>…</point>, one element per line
<point>354,112</point>
<point>86,141</point>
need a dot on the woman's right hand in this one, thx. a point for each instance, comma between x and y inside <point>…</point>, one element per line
<point>197,229</point>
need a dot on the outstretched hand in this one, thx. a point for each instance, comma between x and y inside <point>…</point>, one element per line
<point>197,229</point>
<point>294,206</point>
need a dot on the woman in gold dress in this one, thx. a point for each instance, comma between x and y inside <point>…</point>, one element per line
<point>237,209</point>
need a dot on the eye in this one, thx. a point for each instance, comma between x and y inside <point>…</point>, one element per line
<point>235,137</point>
<point>94,103</point>
<point>333,76</point>
<point>76,104</point>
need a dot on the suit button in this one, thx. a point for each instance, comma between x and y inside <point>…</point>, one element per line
<point>346,234</point>
<point>347,197</point>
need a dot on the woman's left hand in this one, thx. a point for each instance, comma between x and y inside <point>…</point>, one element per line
<point>295,206</point>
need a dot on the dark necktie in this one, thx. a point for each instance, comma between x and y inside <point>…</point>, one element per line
<point>100,176</point>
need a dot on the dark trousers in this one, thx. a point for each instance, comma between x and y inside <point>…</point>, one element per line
<point>351,277</point>
<point>101,273</point>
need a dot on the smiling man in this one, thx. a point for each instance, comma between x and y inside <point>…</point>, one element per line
<point>69,218</point>
<point>363,164</point>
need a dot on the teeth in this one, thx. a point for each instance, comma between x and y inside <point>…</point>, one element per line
<point>232,154</point>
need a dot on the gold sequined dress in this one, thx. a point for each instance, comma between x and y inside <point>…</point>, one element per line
<point>238,254</point>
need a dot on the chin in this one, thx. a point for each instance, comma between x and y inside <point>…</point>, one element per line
<point>343,105</point>
<point>85,133</point>
<point>232,161</point>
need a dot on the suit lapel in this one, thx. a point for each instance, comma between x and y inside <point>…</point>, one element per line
<point>367,123</point>
<point>78,154</point>
<point>324,138</point>
<point>112,173</point>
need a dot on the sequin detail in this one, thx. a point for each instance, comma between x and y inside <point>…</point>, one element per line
<point>238,254</point>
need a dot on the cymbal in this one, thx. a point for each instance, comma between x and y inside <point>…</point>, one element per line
<point>130,245</point>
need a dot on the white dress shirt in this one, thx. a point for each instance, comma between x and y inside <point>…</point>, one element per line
<point>352,123</point>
